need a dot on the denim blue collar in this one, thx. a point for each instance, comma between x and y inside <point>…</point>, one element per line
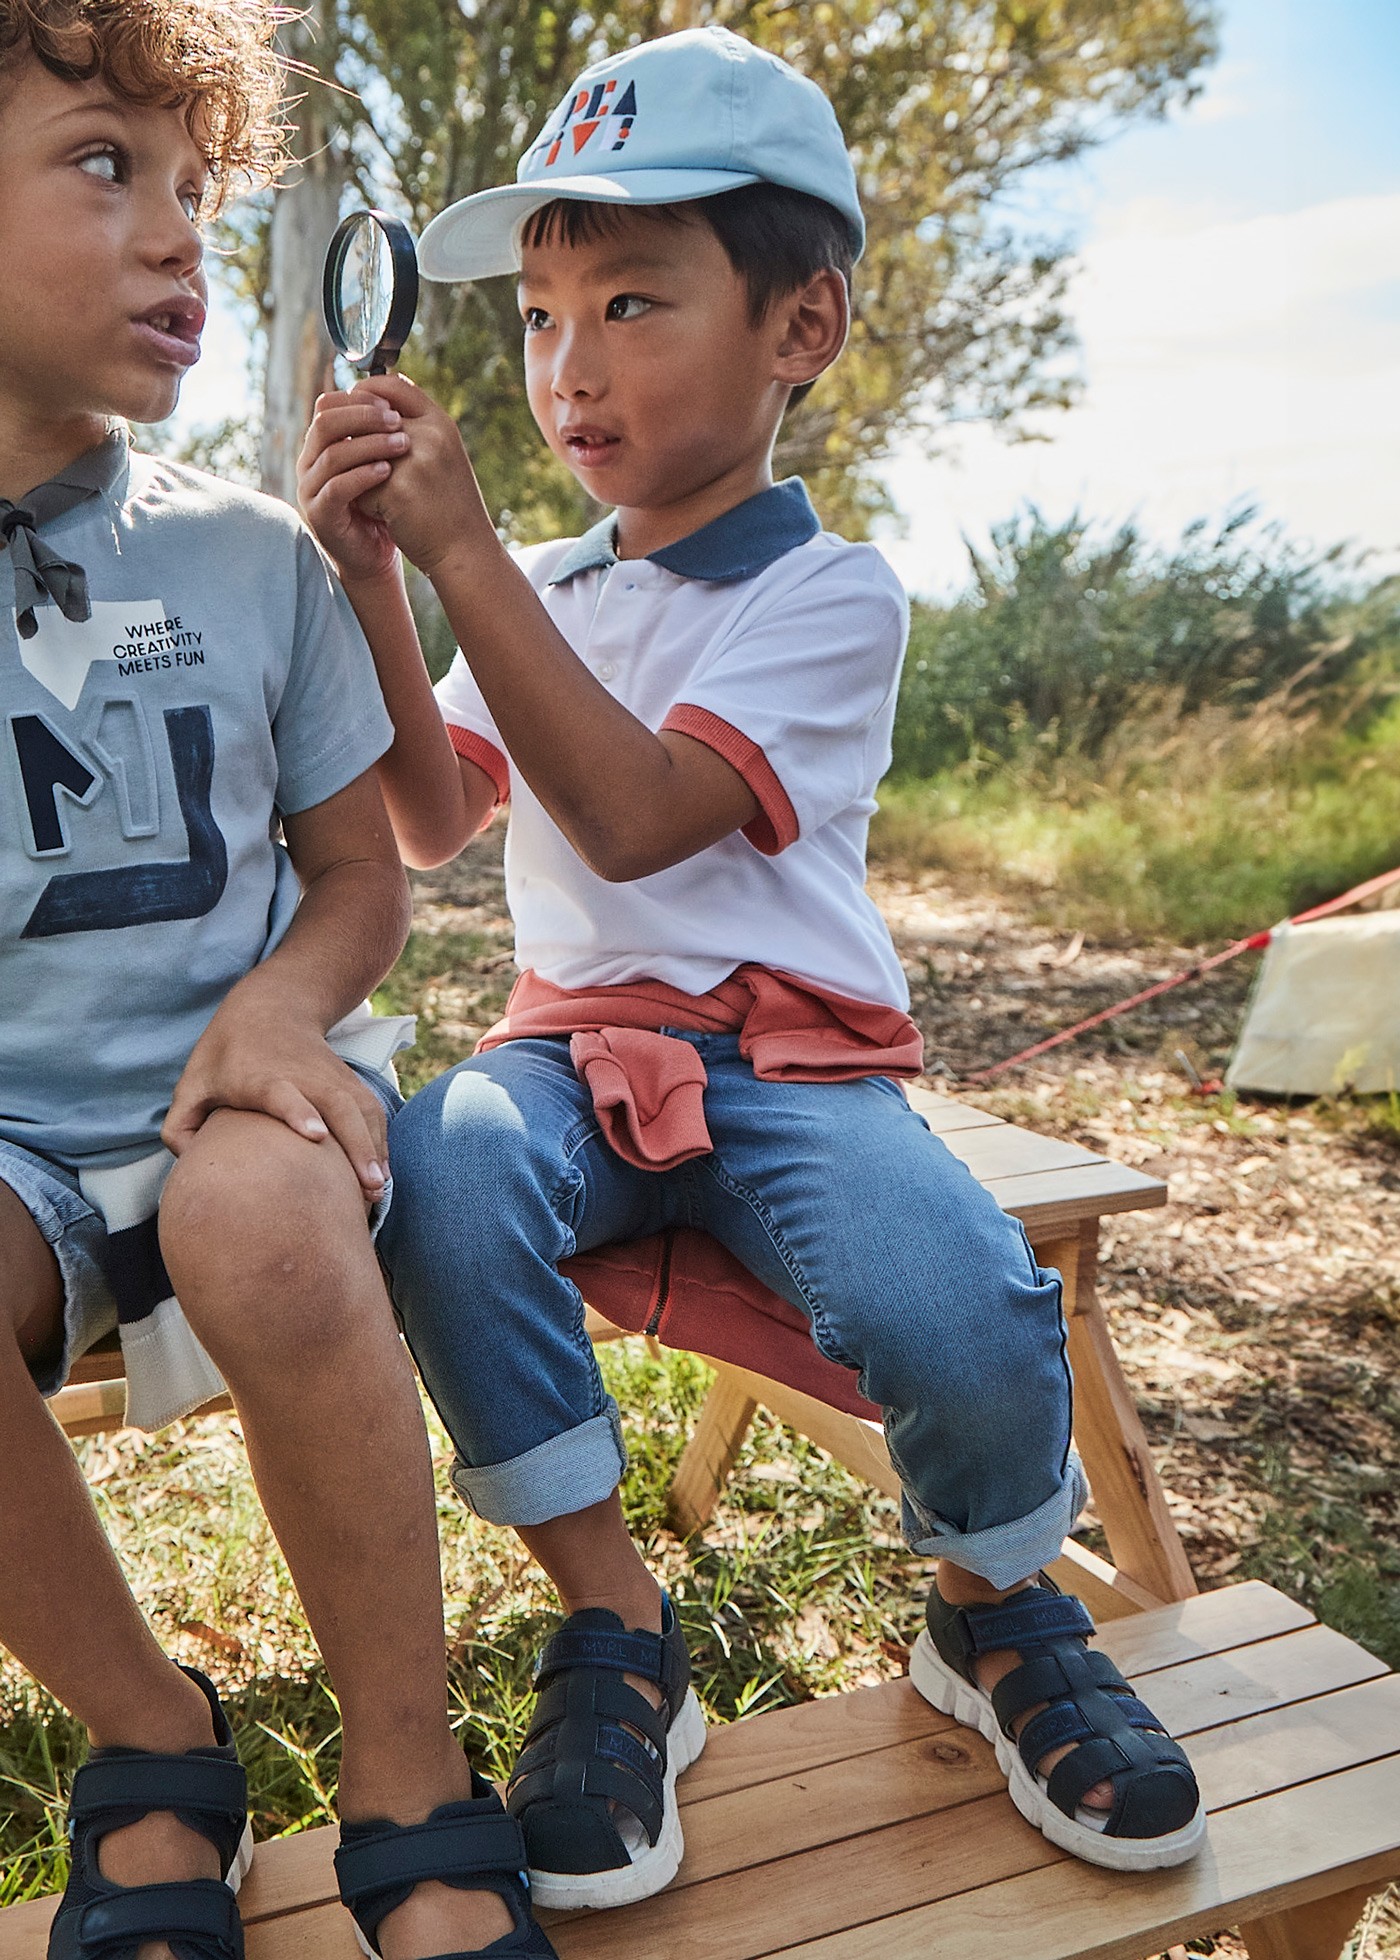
<point>734,545</point>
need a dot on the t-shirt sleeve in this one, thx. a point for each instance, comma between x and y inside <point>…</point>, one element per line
<point>798,697</point>
<point>470,728</point>
<point>331,723</point>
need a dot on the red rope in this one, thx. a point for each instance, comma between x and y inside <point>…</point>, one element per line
<point>1255,943</point>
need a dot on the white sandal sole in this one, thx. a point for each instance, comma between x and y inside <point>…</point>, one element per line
<point>940,1684</point>
<point>651,1870</point>
<point>242,1858</point>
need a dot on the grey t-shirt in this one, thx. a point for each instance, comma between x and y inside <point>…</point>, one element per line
<point>148,754</point>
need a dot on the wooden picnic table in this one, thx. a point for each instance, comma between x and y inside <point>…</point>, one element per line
<point>867,1826</point>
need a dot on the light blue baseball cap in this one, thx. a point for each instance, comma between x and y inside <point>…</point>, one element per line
<point>687,116</point>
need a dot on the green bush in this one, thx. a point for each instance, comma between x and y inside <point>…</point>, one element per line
<point>1194,744</point>
<point>1063,635</point>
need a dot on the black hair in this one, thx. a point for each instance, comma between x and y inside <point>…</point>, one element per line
<point>776,239</point>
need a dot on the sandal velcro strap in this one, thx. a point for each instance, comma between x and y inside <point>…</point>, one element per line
<point>636,1652</point>
<point>199,1910</point>
<point>584,1697</point>
<point>1027,1619</point>
<point>444,1848</point>
<point>130,1780</point>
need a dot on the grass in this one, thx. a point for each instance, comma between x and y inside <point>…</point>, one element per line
<point>1193,835</point>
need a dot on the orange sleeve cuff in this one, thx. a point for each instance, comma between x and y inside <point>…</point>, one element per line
<point>475,748</point>
<point>775,826</point>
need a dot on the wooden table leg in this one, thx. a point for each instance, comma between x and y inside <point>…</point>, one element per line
<point>1109,1434</point>
<point>1316,1932</point>
<point>710,1454</point>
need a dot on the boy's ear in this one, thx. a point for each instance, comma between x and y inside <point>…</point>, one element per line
<point>813,321</point>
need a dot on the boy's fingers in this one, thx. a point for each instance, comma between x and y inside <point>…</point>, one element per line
<point>287,1103</point>
<point>331,430</point>
<point>360,1127</point>
<point>397,390</point>
<point>341,497</point>
<point>182,1124</point>
<point>349,478</point>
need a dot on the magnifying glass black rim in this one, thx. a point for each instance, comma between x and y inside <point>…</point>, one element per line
<point>403,302</point>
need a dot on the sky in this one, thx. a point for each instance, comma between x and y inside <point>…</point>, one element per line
<point>1237,297</point>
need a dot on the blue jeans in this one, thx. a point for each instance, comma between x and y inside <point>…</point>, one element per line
<point>835,1194</point>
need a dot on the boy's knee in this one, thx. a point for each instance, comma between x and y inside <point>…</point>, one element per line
<point>253,1211</point>
<point>462,1147</point>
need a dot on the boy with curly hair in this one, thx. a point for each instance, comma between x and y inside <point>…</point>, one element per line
<point>184,687</point>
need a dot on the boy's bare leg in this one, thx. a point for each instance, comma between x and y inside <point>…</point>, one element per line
<point>960,1587</point>
<point>66,1612</point>
<point>264,1237</point>
<point>592,1560</point>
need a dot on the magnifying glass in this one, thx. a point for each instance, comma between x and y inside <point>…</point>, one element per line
<point>370,289</point>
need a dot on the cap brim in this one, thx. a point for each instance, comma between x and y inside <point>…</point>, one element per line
<point>479,236</point>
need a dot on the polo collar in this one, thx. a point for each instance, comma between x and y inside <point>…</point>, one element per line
<point>736,544</point>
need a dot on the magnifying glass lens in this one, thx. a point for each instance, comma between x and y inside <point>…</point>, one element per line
<point>365,289</point>
<point>370,289</point>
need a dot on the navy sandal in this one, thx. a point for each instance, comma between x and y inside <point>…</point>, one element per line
<point>473,1845</point>
<point>1157,1817</point>
<point>197,1918</point>
<point>595,1784</point>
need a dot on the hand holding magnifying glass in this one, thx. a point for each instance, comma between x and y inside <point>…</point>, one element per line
<point>369,289</point>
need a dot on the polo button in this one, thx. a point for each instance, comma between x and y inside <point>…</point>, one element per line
<point>607,671</point>
<point>630,586</point>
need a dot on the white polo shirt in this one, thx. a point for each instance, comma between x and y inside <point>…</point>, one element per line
<point>777,645</point>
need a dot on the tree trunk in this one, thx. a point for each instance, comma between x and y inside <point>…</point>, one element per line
<point>304,213</point>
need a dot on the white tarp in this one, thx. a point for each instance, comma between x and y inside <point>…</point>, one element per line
<point>1325,1014</point>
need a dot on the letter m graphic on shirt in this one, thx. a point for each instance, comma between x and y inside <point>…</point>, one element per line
<point>129,894</point>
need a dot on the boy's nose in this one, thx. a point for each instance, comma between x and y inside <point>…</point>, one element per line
<point>578,368</point>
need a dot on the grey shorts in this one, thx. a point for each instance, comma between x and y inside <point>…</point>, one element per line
<point>93,1277</point>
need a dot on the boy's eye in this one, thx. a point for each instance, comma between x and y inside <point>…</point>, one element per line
<point>534,317</point>
<point>109,165</point>
<point>627,306</point>
<point>191,203</point>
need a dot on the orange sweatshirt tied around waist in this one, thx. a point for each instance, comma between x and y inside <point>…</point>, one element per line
<point>648,1088</point>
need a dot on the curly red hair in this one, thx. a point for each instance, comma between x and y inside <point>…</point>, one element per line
<point>216,58</point>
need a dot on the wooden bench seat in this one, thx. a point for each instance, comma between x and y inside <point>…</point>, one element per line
<point>868,1826</point>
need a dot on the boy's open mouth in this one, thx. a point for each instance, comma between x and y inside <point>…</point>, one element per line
<point>173,328</point>
<point>588,445</point>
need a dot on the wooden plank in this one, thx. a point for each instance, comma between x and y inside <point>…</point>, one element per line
<point>1142,1538</point>
<point>1297,1845</point>
<point>836,1727</point>
<point>817,1892</point>
<point>1219,1688</point>
<point>1056,1200</point>
<point>1297,1743</point>
<point>858,1444</point>
<point>1008,1152</point>
<point>1318,1931</point>
<point>943,1114</point>
<point>724,1421</point>
<point>1106,1592</point>
<point>1207,1623</point>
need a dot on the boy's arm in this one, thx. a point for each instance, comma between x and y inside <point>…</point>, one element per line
<point>436,799</point>
<point>631,802</point>
<point>265,1048</point>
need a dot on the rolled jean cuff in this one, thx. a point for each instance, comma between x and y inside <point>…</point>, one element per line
<point>1004,1553</point>
<point>567,1473</point>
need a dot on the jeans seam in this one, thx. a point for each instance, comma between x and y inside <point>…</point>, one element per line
<point>821,1334</point>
